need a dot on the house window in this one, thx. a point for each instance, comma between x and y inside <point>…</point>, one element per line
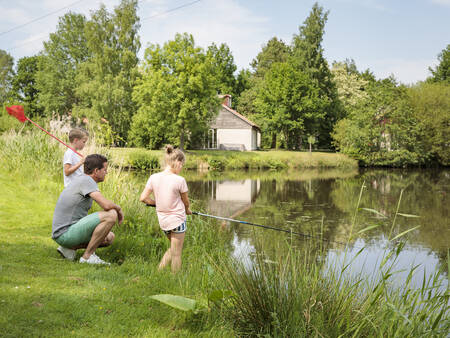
<point>212,139</point>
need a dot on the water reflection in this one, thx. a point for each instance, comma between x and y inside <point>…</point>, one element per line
<point>324,203</point>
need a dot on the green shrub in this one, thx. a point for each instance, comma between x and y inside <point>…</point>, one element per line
<point>216,164</point>
<point>143,161</point>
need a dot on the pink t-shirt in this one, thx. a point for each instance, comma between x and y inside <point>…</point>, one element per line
<point>167,188</point>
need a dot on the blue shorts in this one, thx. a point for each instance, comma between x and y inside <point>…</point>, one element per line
<point>178,230</point>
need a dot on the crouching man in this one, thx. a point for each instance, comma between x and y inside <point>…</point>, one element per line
<point>72,227</point>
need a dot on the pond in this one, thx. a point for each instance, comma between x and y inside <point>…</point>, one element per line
<point>325,204</point>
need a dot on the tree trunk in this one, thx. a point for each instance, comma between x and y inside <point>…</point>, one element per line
<point>274,141</point>
<point>182,140</point>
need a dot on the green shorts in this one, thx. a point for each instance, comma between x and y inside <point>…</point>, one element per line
<point>79,232</point>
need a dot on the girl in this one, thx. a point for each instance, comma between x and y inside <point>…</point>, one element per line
<point>170,194</point>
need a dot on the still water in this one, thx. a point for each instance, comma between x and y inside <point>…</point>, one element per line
<point>326,204</point>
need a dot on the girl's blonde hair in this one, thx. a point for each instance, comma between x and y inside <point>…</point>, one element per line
<point>173,155</point>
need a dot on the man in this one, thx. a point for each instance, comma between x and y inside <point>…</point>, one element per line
<point>72,227</point>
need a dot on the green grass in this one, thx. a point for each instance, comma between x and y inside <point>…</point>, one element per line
<point>231,160</point>
<point>44,295</point>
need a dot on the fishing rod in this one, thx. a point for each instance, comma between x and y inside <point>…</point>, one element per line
<point>260,225</point>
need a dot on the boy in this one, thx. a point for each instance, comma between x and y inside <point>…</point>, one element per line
<point>72,163</point>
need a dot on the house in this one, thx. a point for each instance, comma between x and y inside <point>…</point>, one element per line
<point>232,131</point>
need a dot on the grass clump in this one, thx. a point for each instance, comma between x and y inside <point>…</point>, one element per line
<point>144,161</point>
<point>296,296</point>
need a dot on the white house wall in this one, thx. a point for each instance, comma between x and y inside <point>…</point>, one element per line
<point>242,191</point>
<point>235,136</point>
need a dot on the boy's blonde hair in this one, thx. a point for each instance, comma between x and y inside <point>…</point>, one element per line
<point>77,133</point>
<point>173,155</point>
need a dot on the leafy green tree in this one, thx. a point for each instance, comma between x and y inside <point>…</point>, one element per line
<point>65,50</point>
<point>288,101</point>
<point>442,71</point>
<point>351,86</point>
<point>431,105</point>
<point>223,67</point>
<point>381,129</point>
<point>104,82</point>
<point>242,84</point>
<point>307,56</point>
<point>24,85</point>
<point>176,95</point>
<point>6,75</point>
<point>274,51</point>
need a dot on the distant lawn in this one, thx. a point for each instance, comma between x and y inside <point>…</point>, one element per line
<point>221,159</point>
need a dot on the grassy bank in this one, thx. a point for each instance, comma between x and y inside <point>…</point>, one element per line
<point>44,295</point>
<point>293,295</point>
<point>231,160</point>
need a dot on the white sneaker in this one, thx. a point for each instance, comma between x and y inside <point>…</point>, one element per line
<point>93,259</point>
<point>67,253</point>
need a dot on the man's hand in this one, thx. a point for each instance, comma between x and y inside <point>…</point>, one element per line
<point>188,211</point>
<point>120,215</point>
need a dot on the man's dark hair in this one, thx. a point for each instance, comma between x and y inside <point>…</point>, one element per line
<point>92,162</point>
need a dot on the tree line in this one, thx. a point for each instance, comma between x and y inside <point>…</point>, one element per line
<point>89,69</point>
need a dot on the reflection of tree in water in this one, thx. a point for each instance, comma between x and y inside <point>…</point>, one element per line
<point>426,194</point>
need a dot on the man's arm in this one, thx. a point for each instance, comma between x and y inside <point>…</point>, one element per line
<point>145,197</point>
<point>106,204</point>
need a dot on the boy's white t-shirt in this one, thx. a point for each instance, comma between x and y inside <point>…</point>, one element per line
<point>70,157</point>
<point>167,188</point>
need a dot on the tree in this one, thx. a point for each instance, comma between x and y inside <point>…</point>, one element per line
<point>307,56</point>
<point>223,68</point>
<point>441,73</point>
<point>243,83</point>
<point>351,86</point>
<point>288,100</point>
<point>6,75</point>
<point>274,51</point>
<point>431,105</point>
<point>381,129</point>
<point>24,85</point>
<point>176,96</point>
<point>63,53</point>
<point>105,81</point>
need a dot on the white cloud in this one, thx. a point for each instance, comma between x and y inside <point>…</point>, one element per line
<point>441,2</point>
<point>217,21</point>
<point>371,4</point>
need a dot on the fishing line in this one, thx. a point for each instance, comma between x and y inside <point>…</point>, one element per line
<point>262,226</point>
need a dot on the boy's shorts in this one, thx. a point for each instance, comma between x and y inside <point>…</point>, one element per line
<point>178,230</point>
<point>79,232</point>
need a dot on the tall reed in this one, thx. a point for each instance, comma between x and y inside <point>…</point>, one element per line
<point>299,295</point>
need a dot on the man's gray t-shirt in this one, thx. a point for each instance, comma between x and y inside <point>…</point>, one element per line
<point>73,204</point>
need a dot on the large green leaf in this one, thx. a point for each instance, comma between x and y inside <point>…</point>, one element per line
<point>177,302</point>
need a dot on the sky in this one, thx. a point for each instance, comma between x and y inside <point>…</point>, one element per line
<point>390,37</point>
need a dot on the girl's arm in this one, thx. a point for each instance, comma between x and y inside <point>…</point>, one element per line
<point>185,199</point>
<point>145,197</point>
